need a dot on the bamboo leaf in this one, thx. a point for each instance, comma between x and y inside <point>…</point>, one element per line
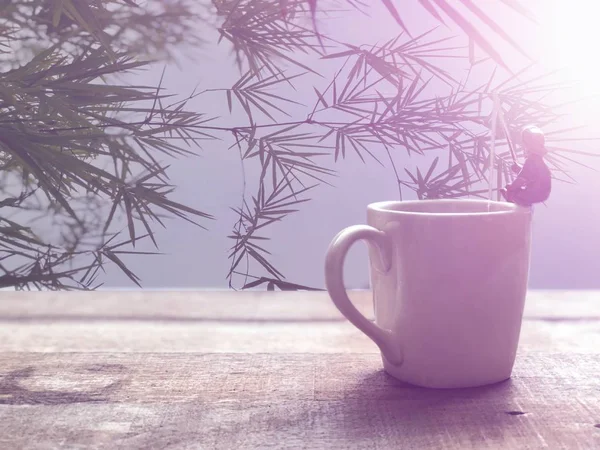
<point>394,12</point>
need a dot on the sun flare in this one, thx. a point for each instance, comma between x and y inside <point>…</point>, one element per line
<point>570,41</point>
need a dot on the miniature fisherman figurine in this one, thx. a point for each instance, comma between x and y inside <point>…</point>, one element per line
<point>533,182</point>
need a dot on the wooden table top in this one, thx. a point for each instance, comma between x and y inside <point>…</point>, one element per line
<point>228,370</point>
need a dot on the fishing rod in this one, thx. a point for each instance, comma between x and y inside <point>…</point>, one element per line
<point>498,116</point>
<point>507,134</point>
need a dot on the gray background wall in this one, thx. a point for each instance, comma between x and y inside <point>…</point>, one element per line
<point>566,243</point>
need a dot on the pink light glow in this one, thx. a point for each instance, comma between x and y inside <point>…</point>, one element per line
<point>570,34</point>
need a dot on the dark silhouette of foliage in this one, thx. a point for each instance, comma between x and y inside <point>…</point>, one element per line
<point>80,149</point>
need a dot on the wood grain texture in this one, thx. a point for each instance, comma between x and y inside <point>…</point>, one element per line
<point>224,370</point>
<point>287,401</point>
<point>243,306</point>
<point>239,337</point>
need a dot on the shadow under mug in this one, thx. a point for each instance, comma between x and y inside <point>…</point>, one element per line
<point>449,280</point>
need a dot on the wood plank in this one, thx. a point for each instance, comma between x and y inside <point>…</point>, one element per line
<point>269,337</point>
<point>300,401</point>
<point>297,425</point>
<point>177,306</point>
<point>243,306</point>
<point>259,370</point>
<point>34,378</point>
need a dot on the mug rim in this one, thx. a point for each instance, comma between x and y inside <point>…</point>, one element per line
<point>387,207</point>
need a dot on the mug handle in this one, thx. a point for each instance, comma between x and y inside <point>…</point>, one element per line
<point>334,281</point>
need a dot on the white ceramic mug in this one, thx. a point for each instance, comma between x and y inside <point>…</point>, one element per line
<point>449,280</point>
